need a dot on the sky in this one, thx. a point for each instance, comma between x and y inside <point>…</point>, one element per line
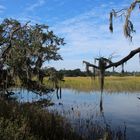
<point>84,24</point>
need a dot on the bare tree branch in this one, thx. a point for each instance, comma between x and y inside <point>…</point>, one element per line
<point>128,25</point>
<point>125,59</point>
<point>106,63</point>
<point>90,65</point>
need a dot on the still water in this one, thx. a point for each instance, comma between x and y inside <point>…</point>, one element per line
<point>116,109</point>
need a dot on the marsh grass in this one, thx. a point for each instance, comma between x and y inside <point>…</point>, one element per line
<point>88,84</point>
<point>91,128</point>
<point>30,122</point>
<point>112,84</point>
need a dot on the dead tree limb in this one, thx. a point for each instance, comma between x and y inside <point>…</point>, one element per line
<point>128,27</point>
<point>125,59</point>
<point>105,63</point>
<point>90,65</point>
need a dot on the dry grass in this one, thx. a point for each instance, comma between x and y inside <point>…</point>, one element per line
<point>112,84</point>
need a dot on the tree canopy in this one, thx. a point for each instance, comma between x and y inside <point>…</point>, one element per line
<point>23,50</point>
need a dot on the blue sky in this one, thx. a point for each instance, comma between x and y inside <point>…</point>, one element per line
<point>83,24</point>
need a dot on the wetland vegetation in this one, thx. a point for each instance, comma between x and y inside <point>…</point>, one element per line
<point>112,83</point>
<point>38,104</point>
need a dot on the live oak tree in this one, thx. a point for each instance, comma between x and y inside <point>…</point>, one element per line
<point>128,28</point>
<point>23,50</point>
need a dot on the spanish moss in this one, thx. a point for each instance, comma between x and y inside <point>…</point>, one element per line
<point>123,68</point>
<point>111,22</point>
<point>94,72</point>
<point>139,57</point>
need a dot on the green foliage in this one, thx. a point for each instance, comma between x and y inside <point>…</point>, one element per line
<point>14,130</point>
<point>29,122</point>
<point>24,49</point>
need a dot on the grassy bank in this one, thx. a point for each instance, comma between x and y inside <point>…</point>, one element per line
<point>112,84</point>
<point>30,122</point>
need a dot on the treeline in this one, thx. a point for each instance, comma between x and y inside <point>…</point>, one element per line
<point>78,72</point>
<point>73,73</point>
<point>126,73</point>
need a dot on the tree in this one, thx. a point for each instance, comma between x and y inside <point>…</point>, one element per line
<point>105,63</point>
<point>23,50</point>
<point>56,78</point>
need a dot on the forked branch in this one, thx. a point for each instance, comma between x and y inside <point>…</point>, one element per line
<point>105,63</point>
<point>126,12</point>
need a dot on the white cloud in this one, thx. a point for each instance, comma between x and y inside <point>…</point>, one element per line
<point>87,36</point>
<point>2,8</point>
<point>25,18</point>
<point>32,7</point>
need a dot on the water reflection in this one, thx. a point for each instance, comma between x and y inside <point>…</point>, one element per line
<point>101,103</point>
<point>118,111</point>
<point>59,93</point>
<point>24,95</point>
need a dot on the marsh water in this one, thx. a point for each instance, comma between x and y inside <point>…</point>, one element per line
<point>118,110</point>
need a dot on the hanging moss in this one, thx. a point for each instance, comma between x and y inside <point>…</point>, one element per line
<point>102,65</point>
<point>128,25</point>
<point>94,74</point>
<point>122,68</point>
<point>111,22</point>
<point>87,69</point>
<point>139,57</point>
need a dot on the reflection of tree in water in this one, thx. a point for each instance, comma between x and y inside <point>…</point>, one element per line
<point>111,134</point>
<point>102,109</point>
<point>101,103</point>
<point>59,93</point>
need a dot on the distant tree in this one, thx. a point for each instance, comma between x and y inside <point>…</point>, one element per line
<point>105,63</point>
<point>23,50</point>
<point>73,73</point>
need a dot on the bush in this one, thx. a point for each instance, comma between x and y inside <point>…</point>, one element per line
<point>29,122</point>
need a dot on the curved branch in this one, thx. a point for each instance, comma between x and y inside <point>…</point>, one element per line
<point>125,59</point>
<point>90,65</point>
